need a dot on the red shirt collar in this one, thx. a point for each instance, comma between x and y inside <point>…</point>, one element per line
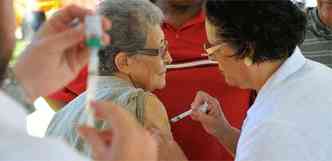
<point>199,18</point>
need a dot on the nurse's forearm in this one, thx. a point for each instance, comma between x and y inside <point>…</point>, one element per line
<point>229,139</point>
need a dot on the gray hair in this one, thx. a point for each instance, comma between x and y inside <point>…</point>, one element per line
<point>131,21</point>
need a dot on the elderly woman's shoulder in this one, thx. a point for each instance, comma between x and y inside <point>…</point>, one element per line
<point>152,99</point>
<point>155,114</point>
<point>146,98</point>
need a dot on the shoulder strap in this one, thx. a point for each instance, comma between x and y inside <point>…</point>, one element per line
<point>140,106</point>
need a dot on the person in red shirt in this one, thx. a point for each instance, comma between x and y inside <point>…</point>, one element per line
<point>60,98</point>
<point>190,72</point>
<point>184,29</point>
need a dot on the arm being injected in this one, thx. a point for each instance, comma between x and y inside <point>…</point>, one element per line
<point>93,33</point>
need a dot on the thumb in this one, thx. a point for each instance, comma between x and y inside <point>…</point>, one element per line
<point>121,120</point>
<point>90,135</point>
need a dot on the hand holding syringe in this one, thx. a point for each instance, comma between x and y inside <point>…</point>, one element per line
<point>203,108</point>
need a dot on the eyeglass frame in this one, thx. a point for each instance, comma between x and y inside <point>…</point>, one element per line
<point>211,54</point>
<point>161,51</point>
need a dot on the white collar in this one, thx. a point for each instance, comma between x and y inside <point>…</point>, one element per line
<point>294,63</point>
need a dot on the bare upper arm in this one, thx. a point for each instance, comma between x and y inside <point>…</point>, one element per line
<point>155,114</point>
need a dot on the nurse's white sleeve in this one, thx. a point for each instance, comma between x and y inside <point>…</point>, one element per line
<point>275,141</point>
<point>21,147</point>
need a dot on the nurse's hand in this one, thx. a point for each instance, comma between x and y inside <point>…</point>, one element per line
<point>56,54</point>
<point>168,148</point>
<point>214,121</point>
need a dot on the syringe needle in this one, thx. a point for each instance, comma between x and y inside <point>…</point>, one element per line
<point>203,108</point>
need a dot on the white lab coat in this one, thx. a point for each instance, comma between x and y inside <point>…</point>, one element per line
<point>17,145</point>
<point>291,118</point>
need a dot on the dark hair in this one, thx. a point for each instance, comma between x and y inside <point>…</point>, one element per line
<point>273,28</point>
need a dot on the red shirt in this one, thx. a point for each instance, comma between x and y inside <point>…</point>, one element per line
<point>186,44</point>
<point>73,89</point>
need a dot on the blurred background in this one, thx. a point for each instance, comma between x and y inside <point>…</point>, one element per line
<point>30,14</point>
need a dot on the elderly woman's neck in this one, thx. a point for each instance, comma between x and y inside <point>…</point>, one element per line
<point>125,77</point>
<point>263,72</point>
<point>129,79</point>
<point>178,15</point>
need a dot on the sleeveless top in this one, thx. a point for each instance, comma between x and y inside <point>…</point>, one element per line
<point>65,122</point>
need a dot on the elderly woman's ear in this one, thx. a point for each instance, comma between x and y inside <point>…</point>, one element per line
<point>121,62</point>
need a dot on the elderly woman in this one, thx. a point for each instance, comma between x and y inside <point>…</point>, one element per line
<point>131,67</point>
<point>255,44</point>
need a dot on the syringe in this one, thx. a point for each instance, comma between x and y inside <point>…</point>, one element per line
<point>203,108</point>
<point>93,31</point>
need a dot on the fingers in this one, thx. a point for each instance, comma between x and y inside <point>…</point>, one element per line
<point>215,112</point>
<point>129,136</point>
<point>156,134</point>
<point>68,39</point>
<point>106,39</point>
<point>90,135</point>
<point>200,98</point>
<point>214,108</point>
<point>202,117</point>
<point>74,13</point>
<point>106,136</point>
<point>159,136</point>
<point>122,121</point>
<point>106,24</point>
<point>73,37</point>
<point>69,13</point>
